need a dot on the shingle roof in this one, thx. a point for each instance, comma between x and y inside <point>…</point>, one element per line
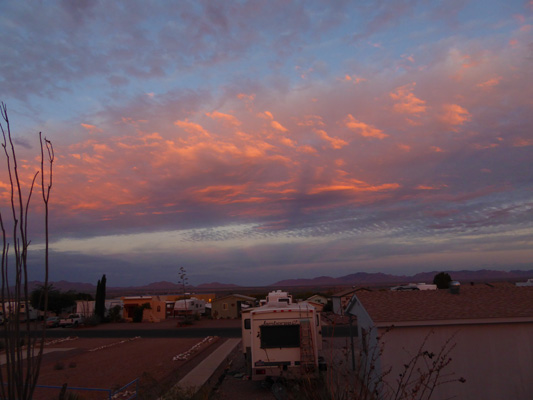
<point>431,305</point>
<point>238,296</point>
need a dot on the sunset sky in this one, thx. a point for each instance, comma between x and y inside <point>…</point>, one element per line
<point>254,141</point>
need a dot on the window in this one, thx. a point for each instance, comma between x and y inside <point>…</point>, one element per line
<point>224,306</point>
<point>280,336</point>
<point>247,324</point>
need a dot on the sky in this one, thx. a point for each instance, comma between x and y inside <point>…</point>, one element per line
<point>254,141</point>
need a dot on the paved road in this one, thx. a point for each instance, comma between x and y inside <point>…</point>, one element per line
<point>186,332</point>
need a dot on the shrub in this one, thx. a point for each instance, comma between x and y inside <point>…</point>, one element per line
<point>59,366</point>
<point>442,280</point>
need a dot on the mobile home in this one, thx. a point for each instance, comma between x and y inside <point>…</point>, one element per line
<point>192,306</point>
<point>281,338</point>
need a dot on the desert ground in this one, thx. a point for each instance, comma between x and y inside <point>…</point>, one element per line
<point>157,363</point>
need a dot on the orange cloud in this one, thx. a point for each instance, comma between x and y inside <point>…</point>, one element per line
<point>288,142</point>
<point>265,115</point>
<point>277,126</point>
<point>335,143</point>
<point>427,187</point>
<point>408,57</point>
<point>479,146</point>
<point>454,114</point>
<point>242,96</point>
<point>226,194</point>
<point>191,127</point>
<point>100,148</point>
<point>306,149</point>
<point>436,149</point>
<point>353,78</point>
<point>353,186</point>
<point>404,147</point>
<point>407,103</point>
<point>311,120</point>
<point>133,122</point>
<point>230,119</point>
<point>490,83</point>
<point>521,142</point>
<point>92,128</point>
<point>363,129</point>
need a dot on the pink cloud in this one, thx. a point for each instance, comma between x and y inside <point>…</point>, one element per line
<point>191,127</point>
<point>91,128</point>
<point>490,83</point>
<point>227,118</point>
<point>363,129</point>
<point>454,114</point>
<point>277,126</point>
<point>407,102</point>
<point>335,143</point>
<point>522,142</point>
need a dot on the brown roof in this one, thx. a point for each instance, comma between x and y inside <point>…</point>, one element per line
<point>237,296</point>
<point>481,302</point>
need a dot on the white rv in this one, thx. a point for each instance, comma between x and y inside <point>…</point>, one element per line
<point>281,338</point>
<point>192,306</point>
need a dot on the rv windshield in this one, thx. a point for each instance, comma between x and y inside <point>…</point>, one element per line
<point>280,336</point>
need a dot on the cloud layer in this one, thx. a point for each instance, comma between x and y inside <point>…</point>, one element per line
<point>254,141</point>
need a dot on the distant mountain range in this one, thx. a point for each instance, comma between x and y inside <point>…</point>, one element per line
<point>155,287</point>
<point>364,278</point>
<point>356,279</point>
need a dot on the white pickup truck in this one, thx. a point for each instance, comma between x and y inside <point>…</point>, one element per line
<point>71,320</point>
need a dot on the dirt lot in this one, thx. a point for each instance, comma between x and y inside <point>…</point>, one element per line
<point>112,363</point>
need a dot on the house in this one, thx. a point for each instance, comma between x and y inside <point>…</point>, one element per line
<point>155,312</point>
<point>486,331</point>
<point>318,301</point>
<point>341,300</point>
<point>230,306</point>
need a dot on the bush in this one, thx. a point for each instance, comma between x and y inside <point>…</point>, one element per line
<point>59,366</point>
<point>442,280</point>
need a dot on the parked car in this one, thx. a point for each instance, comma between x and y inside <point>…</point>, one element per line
<point>52,322</point>
<point>71,320</point>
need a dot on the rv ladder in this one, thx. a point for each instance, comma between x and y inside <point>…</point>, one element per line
<point>307,350</point>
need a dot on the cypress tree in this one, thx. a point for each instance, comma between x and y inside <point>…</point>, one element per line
<point>99,305</point>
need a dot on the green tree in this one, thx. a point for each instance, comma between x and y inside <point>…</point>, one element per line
<point>115,314</point>
<point>58,301</point>
<point>442,280</point>
<point>99,306</point>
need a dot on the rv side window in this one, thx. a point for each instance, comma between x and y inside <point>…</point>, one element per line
<point>280,336</point>
<point>247,324</point>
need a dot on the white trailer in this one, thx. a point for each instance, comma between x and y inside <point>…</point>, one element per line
<point>281,338</point>
<point>192,306</point>
<point>416,286</point>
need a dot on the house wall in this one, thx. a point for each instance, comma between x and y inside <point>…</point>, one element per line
<point>495,359</point>
<point>225,308</point>
<point>156,313</point>
<point>85,308</point>
<point>339,303</point>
